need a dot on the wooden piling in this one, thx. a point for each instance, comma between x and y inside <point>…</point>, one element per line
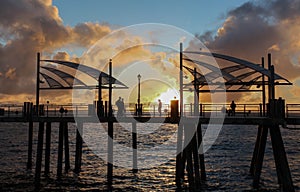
<point>48,148</point>
<point>180,155</point>
<point>196,158</point>
<point>255,151</point>
<point>110,154</point>
<point>39,155</point>
<point>78,152</point>
<point>189,155</point>
<point>67,151</point>
<point>282,167</point>
<point>60,150</point>
<point>134,148</point>
<point>260,156</point>
<point>29,152</point>
<point>179,164</point>
<point>110,131</point>
<point>200,151</point>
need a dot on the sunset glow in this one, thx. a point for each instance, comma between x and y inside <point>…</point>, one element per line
<point>167,96</point>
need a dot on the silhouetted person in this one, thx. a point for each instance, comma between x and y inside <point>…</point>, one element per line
<point>61,110</point>
<point>233,106</point>
<point>159,107</point>
<point>122,107</point>
<point>119,105</point>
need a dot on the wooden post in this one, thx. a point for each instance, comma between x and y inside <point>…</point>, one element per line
<point>179,163</point>
<point>30,135</point>
<point>67,152</point>
<point>188,152</point>
<point>196,94</point>
<point>60,150</point>
<point>201,112</point>
<point>272,82</point>
<point>282,166</point>
<point>37,99</point>
<point>110,131</point>
<point>39,155</point>
<point>110,154</point>
<point>48,148</point>
<point>99,105</point>
<point>134,147</point>
<point>78,152</point>
<point>271,78</point>
<point>263,88</point>
<point>179,156</point>
<point>201,154</point>
<point>196,157</point>
<point>181,81</point>
<point>255,151</point>
<point>260,156</point>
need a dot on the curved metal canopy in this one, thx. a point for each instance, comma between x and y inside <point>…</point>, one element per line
<point>71,80</point>
<point>244,63</point>
<point>52,82</point>
<point>245,78</point>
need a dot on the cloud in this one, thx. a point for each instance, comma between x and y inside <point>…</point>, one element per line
<point>28,27</point>
<point>11,74</point>
<point>258,27</point>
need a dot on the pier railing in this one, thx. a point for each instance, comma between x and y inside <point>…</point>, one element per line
<point>11,110</point>
<point>78,110</point>
<point>205,110</point>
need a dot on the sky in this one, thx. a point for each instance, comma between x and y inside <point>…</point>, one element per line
<point>70,30</point>
<point>194,16</point>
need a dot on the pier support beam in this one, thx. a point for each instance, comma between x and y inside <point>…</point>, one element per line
<point>282,166</point>
<point>200,152</point>
<point>259,157</point>
<point>39,155</point>
<point>30,135</point>
<point>255,151</point>
<point>78,152</point>
<point>67,151</point>
<point>110,153</point>
<point>188,151</point>
<point>48,148</point>
<point>196,158</point>
<point>179,157</point>
<point>60,150</point>
<point>110,144</point>
<point>134,148</point>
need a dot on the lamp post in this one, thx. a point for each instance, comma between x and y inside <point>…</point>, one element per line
<point>139,95</point>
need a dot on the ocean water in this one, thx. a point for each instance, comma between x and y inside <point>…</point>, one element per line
<point>227,161</point>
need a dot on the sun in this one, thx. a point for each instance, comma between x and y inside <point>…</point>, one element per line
<point>167,96</point>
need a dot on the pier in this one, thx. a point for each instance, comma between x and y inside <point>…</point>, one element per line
<point>269,115</point>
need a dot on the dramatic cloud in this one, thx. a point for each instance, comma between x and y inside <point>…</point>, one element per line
<point>256,28</point>
<point>27,27</point>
